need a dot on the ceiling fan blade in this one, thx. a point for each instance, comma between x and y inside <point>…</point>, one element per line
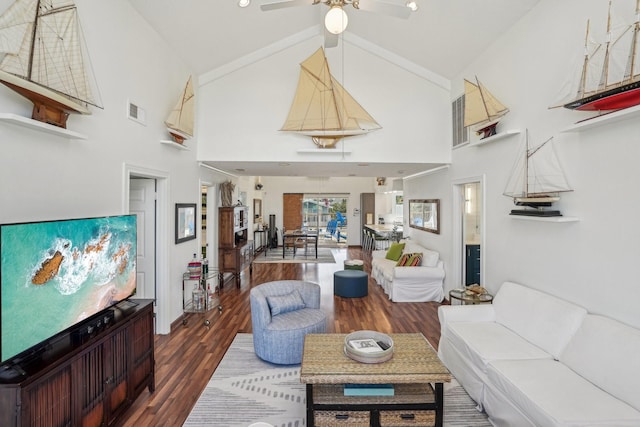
<point>392,9</point>
<point>280,4</point>
<point>330,39</point>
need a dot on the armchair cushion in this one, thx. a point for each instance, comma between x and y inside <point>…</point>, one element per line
<point>279,304</point>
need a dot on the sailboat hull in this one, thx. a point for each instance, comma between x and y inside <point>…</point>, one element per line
<point>535,212</point>
<point>624,96</point>
<point>48,106</point>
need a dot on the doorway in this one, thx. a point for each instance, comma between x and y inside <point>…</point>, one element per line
<point>326,213</point>
<point>158,257</point>
<point>469,238</point>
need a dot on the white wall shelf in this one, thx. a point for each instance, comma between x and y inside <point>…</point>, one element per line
<point>175,145</point>
<point>605,119</point>
<point>546,218</point>
<point>495,137</point>
<point>324,151</point>
<point>40,126</point>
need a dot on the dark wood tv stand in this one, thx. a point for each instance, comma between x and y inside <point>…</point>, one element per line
<point>86,377</point>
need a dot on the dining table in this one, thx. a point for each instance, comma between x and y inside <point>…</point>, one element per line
<point>305,235</point>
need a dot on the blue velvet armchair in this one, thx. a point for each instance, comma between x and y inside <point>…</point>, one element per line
<point>282,313</point>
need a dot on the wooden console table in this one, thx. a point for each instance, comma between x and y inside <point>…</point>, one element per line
<point>414,367</point>
<point>87,376</point>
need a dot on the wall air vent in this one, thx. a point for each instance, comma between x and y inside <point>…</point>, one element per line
<point>136,113</point>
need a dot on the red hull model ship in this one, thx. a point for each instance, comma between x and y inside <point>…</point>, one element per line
<point>610,93</point>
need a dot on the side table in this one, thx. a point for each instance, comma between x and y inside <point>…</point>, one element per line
<point>468,297</point>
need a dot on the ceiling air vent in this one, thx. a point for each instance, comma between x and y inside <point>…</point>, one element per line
<point>136,113</point>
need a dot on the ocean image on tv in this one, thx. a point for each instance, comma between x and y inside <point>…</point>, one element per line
<point>55,274</point>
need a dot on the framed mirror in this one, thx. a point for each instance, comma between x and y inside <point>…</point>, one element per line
<point>425,215</point>
<point>257,210</point>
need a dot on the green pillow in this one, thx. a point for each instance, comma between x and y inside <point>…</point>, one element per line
<point>395,251</point>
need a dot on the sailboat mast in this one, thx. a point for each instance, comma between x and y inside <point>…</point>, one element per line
<point>605,68</point>
<point>526,164</point>
<point>33,40</point>
<point>629,74</point>
<point>484,102</point>
<point>585,64</point>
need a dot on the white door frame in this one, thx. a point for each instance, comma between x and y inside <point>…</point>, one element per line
<point>163,297</point>
<point>458,228</point>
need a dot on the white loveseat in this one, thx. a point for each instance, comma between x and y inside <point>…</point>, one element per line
<point>531,359</point>
<point>410,284</point>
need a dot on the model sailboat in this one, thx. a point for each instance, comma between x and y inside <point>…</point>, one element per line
<point>43,57</point>
<point>180,120</point>
<point>600,89</point>
<point>481,108</point>
<point>323,109</point>
<point>536,180</point>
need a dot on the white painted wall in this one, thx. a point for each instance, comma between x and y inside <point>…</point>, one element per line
<point>591,262</point>
<point>249,105</point>
<point>44,177</point>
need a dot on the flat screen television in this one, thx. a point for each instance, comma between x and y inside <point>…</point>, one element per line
<point>55,274</point>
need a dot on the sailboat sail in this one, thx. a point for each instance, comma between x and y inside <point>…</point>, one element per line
<point>181,119</point>
<point>537,173</point>
<point>322,108</point>
<point>480,105</point>
<point>44,57</point>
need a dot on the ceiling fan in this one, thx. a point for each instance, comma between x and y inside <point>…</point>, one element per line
<point>336,19</point>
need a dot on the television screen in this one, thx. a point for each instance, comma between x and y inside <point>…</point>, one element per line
<point>55,274</point>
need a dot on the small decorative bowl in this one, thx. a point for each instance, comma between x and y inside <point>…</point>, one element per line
<point>368,346</point>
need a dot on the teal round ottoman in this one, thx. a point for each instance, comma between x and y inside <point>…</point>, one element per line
<point>350,283</point>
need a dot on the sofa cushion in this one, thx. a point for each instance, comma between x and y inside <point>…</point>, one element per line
<point>395,251</point>
<point>607,353</point>
<point>429,258</point>
<point>279,304</point>
<point>482,342</point>
<point>544,320</point>
<point>550,394</point>
<point>409,260</point>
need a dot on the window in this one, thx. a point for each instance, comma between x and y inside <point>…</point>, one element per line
<point>460,133</point>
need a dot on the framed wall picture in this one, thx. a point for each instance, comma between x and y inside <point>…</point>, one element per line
<point>185,222</point>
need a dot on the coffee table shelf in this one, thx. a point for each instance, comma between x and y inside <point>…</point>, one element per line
<point>415,372</point>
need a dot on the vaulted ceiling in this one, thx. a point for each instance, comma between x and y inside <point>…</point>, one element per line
<point>442,36</point>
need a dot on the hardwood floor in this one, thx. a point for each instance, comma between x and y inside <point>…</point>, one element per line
<point>186,358</point>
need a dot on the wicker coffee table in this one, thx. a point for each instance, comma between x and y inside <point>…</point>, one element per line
<point>412,371</point>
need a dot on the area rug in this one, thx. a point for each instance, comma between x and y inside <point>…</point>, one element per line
<point>245,389</point>
<point>325,255</point>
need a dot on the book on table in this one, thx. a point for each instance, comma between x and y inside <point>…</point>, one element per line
<point>368,390</point>
<point>367,345</point>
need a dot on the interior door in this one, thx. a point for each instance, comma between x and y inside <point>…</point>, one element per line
<point>292,211</point>
<point>142,202</point>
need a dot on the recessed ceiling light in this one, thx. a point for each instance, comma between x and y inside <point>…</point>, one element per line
<point>244,3</point>
<point>352,174</point>
<point>363,164</point>
<point>412,4</point>
<point>284,164</point>
<point>239,170</point>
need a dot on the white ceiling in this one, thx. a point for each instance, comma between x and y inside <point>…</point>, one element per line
<point>443,36</point>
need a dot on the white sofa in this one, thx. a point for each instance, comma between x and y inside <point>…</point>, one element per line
<point>410,284</point>
<point>531,359</point>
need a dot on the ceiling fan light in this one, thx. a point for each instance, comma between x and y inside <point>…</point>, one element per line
<point>411,4</point>
<point>336,20</point>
